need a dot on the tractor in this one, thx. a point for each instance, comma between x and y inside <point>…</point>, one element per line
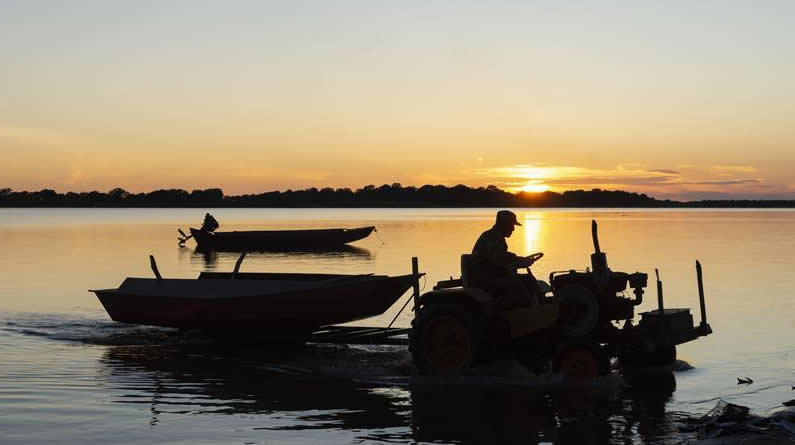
<point>584,319</point>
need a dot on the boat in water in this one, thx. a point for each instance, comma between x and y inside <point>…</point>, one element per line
<point>279,239</point>
<point>207,238</point>
<point>265,303</point>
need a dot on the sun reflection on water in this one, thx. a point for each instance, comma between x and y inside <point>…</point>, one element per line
<point>531,225</point>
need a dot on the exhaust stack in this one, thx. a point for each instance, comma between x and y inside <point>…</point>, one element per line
<point>701,294</point>
<point>598,258</point>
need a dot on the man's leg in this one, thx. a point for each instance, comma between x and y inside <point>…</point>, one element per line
<point>515,293</point>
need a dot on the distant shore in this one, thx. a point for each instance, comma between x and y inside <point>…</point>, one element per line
<point>385,196</point>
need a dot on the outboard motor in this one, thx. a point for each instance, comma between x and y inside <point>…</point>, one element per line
<point>210,224</point>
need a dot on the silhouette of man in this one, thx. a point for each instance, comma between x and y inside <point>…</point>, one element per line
<point>493,267</point>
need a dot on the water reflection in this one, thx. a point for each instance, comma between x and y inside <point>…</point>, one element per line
<point>510,416</point>
<point>645,415</point>
<point>588,415</point>
<point>224,379</point>
<point>532,233</point>
<point>303,388</point>
<point>211,258</point>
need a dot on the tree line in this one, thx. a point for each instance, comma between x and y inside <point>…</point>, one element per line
<point>387,195</point>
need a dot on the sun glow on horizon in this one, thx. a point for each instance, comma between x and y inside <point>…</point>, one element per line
<point>534,187</point>
<point>529,178</point>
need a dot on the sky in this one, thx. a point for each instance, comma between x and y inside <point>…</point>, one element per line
<point>676,99</point>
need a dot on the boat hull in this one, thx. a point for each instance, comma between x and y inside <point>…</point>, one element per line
<point>290,311</point>
<point>280,239</point>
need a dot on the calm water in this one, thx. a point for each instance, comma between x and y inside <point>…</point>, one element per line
<point>69,374</point>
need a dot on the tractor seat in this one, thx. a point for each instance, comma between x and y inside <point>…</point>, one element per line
<point>466,268</point>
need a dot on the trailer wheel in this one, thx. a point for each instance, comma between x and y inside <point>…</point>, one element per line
<point>580,360</point>
<point>662,358</point>
<point>443,340</point>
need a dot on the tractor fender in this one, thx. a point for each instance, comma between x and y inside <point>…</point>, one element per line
<point>477,299</point>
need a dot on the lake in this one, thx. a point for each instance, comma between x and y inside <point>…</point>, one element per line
<point>70,374</point>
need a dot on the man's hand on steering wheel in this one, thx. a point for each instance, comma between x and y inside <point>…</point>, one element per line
<point>527,261</point>
<point>530,259</point>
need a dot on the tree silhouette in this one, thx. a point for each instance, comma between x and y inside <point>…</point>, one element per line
<point>387,195</point>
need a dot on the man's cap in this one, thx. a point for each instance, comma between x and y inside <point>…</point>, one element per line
<point>507,216</point>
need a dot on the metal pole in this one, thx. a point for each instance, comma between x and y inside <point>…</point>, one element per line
<point>238,263</point>
<point>659,292</point>
<point>594,236</point>
<point>153,265</point>
<point>701,293</point>
<point>415,273</point>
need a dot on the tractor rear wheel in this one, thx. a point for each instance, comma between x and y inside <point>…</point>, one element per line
<point>443,340</point>
<point>580,360</point>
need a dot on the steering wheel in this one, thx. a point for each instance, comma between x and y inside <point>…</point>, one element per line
<point>535,257</point>
<point>532,258</point>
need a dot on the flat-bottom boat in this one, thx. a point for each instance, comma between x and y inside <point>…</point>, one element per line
<point>279,239</point>
<point>265,303</point>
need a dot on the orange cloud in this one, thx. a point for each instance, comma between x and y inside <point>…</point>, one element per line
<point>735,168</point>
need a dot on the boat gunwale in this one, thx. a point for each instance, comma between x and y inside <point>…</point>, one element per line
<point>286,232</point>
<point>337,284</point>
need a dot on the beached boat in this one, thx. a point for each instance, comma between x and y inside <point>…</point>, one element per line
<point>279,239</point>
<point>262,302</point>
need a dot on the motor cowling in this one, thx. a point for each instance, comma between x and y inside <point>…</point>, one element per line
<point>210,224</point>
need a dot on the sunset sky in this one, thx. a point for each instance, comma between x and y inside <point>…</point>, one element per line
<point>677,99</point>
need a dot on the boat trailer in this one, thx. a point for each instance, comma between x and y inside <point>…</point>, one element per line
<point>349,335</point>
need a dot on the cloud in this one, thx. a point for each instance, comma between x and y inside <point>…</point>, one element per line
<point>697,195</point>
<point>735,168</point>
<point>612,180</point>
<point>728,182</point>
<point>624,175</point>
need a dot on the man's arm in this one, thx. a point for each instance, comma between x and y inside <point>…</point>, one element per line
<point>496,252</point>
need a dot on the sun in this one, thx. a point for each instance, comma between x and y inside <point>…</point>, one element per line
<point>534,187</point>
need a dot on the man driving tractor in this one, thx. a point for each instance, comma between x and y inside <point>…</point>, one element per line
<point>493,267</point>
